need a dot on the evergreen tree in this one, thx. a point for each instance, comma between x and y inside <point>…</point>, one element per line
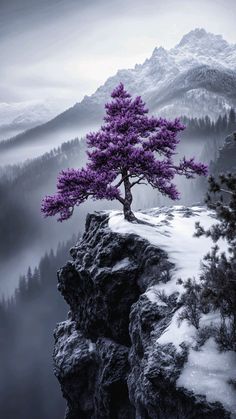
<point>232,120</point>
<point>217,287</point>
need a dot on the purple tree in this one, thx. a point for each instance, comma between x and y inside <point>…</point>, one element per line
<point>131,148</point>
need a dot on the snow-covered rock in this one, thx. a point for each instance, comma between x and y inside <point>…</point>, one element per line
<point>123,352</point>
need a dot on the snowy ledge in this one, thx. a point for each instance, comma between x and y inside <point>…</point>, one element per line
<point>207,371</point>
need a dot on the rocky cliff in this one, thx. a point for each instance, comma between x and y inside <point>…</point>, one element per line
<point>110,356</point>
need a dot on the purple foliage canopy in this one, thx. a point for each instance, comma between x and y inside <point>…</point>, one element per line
<point>131,148</point>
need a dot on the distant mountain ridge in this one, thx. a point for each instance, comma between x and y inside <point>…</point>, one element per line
<point>195,78</point>
<point>17,117</point>
<point>200,63</point>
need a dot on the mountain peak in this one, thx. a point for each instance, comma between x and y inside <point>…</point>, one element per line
<point>201,36</point>
<point>196,33</point>
<point>159,51</point>
<point>159,55</point>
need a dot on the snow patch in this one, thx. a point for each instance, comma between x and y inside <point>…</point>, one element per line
<point>178,333</point>
<point>211,372</point>
<point>121,264</point>
<point>172,230</point>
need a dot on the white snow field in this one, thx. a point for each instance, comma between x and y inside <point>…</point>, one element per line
<point>207,371</point>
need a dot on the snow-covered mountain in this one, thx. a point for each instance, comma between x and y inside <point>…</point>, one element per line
<point>196,74</point>
<point>201,47</point>
<point>20,116</point>
<point>195,78</point>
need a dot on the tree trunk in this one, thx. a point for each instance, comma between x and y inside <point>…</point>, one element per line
<point>129,215</point>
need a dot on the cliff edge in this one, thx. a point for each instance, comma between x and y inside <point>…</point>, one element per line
<point>122,352</point>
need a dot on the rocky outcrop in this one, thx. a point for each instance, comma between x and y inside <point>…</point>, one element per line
<point>106,356</point>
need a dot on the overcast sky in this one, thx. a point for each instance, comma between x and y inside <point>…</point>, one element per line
<point>64,49</point>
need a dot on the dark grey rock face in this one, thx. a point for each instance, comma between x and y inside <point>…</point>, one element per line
<point>106,354</point>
